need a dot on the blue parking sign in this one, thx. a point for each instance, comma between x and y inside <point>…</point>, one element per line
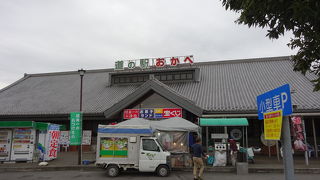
<point>276,99</point>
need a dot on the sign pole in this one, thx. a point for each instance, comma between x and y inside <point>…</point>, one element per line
<point>274,106</point>
<point>287,150</point>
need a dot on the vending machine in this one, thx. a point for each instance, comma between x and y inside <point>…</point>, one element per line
<point>23,144</point>
<point>5,144</point>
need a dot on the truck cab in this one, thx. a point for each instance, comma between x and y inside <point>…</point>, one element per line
<point>152,156</point>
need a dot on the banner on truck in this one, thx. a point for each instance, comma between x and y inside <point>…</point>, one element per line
<point>114,147</point>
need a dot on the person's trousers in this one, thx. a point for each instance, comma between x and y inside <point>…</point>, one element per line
<point>198,164</point>
<point>234,157</point>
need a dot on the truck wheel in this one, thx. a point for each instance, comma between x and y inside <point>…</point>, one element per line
<point>163,171</point>
<point>112,170</point>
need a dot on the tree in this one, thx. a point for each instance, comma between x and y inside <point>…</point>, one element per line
<point>301,17</point>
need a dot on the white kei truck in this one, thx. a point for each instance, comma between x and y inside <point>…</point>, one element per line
<point>123,147</point>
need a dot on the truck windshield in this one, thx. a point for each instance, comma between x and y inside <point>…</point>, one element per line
<point>160,145</point>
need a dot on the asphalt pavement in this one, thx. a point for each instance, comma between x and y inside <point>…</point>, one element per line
<point>69,161</point>
<point>97,175</point>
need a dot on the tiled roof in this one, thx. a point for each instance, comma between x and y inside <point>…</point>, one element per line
<point>160,88</point>
<point>224,86</point>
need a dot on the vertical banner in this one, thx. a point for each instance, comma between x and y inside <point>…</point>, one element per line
<point>272,125</point>
<point>298,133</point>
<point>75,128</point>
<point>54,135</point>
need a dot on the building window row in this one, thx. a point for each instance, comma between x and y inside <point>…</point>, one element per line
<point>161,76</point>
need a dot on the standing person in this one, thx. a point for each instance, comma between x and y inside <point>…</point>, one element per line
<point>233,151</point>
<point>197,154</point>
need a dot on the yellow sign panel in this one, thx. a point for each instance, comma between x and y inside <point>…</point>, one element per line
<point>158,111</point>
<point>272,125</point>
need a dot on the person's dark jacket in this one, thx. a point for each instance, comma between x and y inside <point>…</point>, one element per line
<point>197,150</point>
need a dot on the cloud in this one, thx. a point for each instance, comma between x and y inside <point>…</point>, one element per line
<point>45,36</point>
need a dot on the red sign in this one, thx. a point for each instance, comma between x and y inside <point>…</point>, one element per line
<point>130,113</point>
<point>160,62</point>
<point>53,147</point>
<point>172,112</point>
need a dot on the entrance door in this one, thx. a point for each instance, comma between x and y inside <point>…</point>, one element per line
<point>5,144</point>
<point>149,155</point>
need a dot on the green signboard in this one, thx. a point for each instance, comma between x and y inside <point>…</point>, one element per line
<point>75,128</point>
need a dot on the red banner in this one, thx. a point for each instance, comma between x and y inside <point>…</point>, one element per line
<point>172,112</point>
<point>130,113</point>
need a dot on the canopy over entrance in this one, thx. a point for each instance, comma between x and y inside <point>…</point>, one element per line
<point>224,122</point>
<point>172,124</point>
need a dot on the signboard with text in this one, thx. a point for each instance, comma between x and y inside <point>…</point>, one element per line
<point>131,113</point>
<point>152,113</point>
<point>75,128</point>
<point>54,135</point>
<point>272,125</point>
<point>153,62</point>
<point>274,100</point>
<point>86,137</point>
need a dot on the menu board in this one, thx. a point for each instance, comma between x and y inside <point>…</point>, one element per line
<point>64,138</point>
<point>86,137</point>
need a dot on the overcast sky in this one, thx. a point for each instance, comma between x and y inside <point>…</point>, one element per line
<point>39,36</point>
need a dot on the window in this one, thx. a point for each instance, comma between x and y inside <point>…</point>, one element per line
<point>134,79</point>
<point>157,77</point>
<point>122,80</point>
<point>116,80</point>
<point>183,76</point>
<point>177,76</point>
<point>149,145</point>
<point>190,76</point>
<point>164,76</point>
<point>145,78</point>
<point>140,78</point>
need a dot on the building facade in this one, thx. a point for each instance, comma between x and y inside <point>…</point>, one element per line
<point>217,89</point>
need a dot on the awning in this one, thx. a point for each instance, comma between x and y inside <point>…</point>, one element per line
<point>42,126</point>
<point>27,124</point>
<point>17,124</point>
<point>224,122</point>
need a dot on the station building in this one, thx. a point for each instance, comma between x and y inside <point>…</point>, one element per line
<point>216,89</point>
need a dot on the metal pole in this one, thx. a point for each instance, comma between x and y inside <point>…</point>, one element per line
<point>305,142</point>
<point>207,138</point>
<point>247,142</point>
<point>287,150</point>
<point>80,146</point>
<point>315,138</point>
<point>269,150</point>
<point>243,145</point>
<point>277,148</point>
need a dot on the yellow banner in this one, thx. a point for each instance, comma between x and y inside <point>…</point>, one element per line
<point>272,125</point>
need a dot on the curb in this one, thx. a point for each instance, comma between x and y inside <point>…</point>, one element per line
<point>210,169</point>
<point>50,168</point>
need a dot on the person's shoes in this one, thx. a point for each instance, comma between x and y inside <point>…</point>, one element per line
<point>195,178</point>
<point>199,178</point>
